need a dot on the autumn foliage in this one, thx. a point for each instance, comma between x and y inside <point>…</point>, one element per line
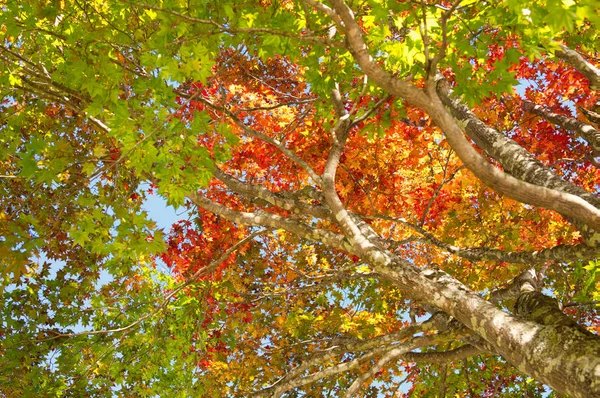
<point>375,199</point>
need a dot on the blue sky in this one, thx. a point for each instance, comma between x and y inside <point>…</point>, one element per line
<point>161,213</point>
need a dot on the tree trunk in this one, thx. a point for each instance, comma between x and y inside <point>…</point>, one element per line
<point>547,345</point>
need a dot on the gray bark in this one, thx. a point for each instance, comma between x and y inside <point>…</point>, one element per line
<point>559,353</point>
<point>515,159</point>
<point>570,205</point>
<point>586,131</point>
<point>581,64</point>
<point>562,355</point>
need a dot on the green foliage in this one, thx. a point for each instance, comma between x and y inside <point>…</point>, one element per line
<point>98,116</point>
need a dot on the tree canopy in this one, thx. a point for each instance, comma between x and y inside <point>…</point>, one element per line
<point>378,198</point>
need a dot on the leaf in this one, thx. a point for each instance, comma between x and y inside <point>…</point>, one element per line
<point>114,111</point>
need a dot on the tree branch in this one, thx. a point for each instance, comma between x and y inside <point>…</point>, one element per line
<point>264,219</point>
<point>556,253</point>
<point>285,202</point>
<point>228,29</point>
<point>393,351</point>
<point>581,64</point>
<point>359,50</point>
<point>198,274</point>
<point>565,203</point>
<point>444,45</point>
<point>454,355</point>
<point>340,135</point>
<point>529,279</point>
<point>356,345</point>
<point>387,357</point>
<point>514,158</point>
<point>263,137</point>
<point>587,132</point>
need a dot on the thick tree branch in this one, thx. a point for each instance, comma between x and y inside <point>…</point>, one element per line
<point>544,310</point>
<point>573,365</point>
<point>340,135</point>
<point>514,158</point>
<point>556,253</point>
<point>454,355</point>
<point>390,352</point>
<point>581,64</point>
<point>264,219</point>
<point>283,201</point>
<point>529,279</point>
<point>359,50</point>
<point>592,116</point>
<point>322,356</point>
<point>567,204</point>
<point>587,132</point>
<point>564,203</point>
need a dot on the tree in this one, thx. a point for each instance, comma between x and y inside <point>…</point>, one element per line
<point>343,235</point>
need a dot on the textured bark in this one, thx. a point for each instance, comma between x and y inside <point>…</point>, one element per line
<point>386,348</point>
<point>564,357</point>
<point>587,69</point>
<point>587,132</point>
<point>540,341</point>
<point>572,354</point>
<point>574,367</point>
<point>265,219</point>
<point>514,158</point>
<point>560,252</point>
<point>592,116</point>
<point>561,355</point>
<point>519,162</point>
<point>257,191</point>
<point>528,345</point>
<point>443,357</point>
<point>570,205</point>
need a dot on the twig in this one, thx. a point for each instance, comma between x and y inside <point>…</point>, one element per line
<point>209,268</point>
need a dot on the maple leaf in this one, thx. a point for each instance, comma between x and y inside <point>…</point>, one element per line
<point>387,200</point>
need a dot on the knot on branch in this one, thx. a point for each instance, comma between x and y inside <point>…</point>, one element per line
<point>527,281</point>
<point>538,307</point>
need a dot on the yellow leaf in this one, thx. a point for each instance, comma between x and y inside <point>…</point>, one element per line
<point>151,13</point>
